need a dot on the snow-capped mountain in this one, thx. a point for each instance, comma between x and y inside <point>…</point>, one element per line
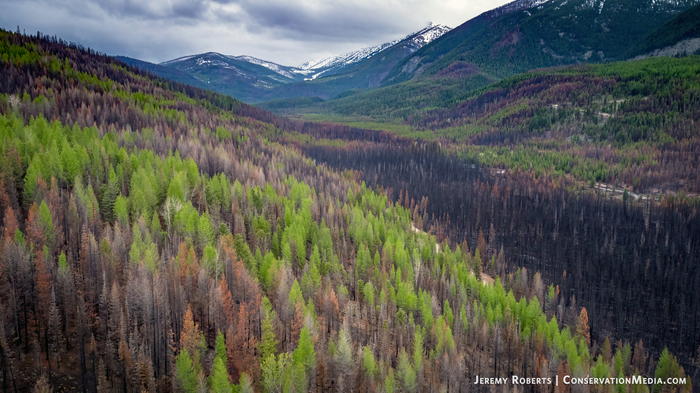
<point>415,41</point>
<point>252,79</point>
<point>289,72</point>
<point>314,68</point>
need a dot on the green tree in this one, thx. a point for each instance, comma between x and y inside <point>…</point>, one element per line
<point>268,342</point>
<point>368,362</point>
<point>368,293</point>
<point>205,231</point>
<point>121,210</point>
<point>185,372</point>
<point>389,382</point>
<point>273,369</point>
<point>47,223</point>
<point>405,373</point>
<point>417,350</point>
<point>210,261</point>
<point>218,380</point>
<point>305,354</point>
<point>110,192</point>
<point>476,264</point>
<point>221,347</point>
<point>245,384</point>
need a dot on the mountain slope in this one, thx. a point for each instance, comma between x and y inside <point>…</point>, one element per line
<point>164,72</point>
<point>527,35</point>
<point>678,36</point>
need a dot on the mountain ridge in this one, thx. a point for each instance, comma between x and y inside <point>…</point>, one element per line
<point>253,80</point>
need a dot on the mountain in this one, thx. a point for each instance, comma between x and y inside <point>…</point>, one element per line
<point>680,35</point>
<point>244,78</point>
<point>357,70</point>
<point>525,35</point>
<point>330,65</point>
<point>252,80</point>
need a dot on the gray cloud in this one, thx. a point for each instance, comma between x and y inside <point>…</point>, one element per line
<point>277,30</point>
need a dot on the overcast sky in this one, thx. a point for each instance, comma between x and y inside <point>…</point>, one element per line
<point>287,32</point>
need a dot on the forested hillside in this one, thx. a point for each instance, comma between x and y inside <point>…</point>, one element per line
<point>685,26</point>
<point>524,35</point>
<point>154,238</point>
<point>630,124</point>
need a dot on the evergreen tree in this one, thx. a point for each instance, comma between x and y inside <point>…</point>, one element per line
<point>268,343</point>
<point>305,354</point>
<point>476,264</point>
<point>185,372</point>
<point>405,373</point>
<point>218,380</point>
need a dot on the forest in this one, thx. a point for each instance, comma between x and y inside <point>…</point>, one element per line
<point>161,238</point>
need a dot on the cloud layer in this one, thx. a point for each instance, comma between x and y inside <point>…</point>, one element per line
<point>283,31</point>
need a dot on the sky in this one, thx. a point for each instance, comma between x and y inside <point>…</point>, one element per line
<point>287,32</point>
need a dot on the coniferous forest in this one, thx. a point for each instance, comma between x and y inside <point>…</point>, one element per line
<point>156,237</point>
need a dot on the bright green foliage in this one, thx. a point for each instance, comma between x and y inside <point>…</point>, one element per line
<point>405,373</point>
<point>223,133</point>
<point>368,363</point>
<point>178,187</point>
<point>210,261</point>
<point>144,192</point>
<point>71,161</point>
<point>268,342</point>
<point>601,368</point>
<point>417,350</point>
<point>218,380</point>
<point>156,230</point>
<point>185,372</point>
<point>243,252</point>
<point>295,294</point>
<point>315,277</point>
<point>143,250</point>
<point>62,264</point>
<point>368,293</point>
<point>445,341</point>
<point>343,353</point>
<point>273,370</point>
<point>30,179</point>
<point>47,224</point>
<point>245,384</point>
<point>426,309</point>
<point>448,313</point>
<point>389,382</point>
<point>270,265</point>
<point>121,210</point>
<point>621,387</point>
<point>667,367</point>
<point>221,347</point>
<point>618,361</point>
<point>463,318</point>
<point>205,231</point>
<point>305,354</point>
<point>299,380</point>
